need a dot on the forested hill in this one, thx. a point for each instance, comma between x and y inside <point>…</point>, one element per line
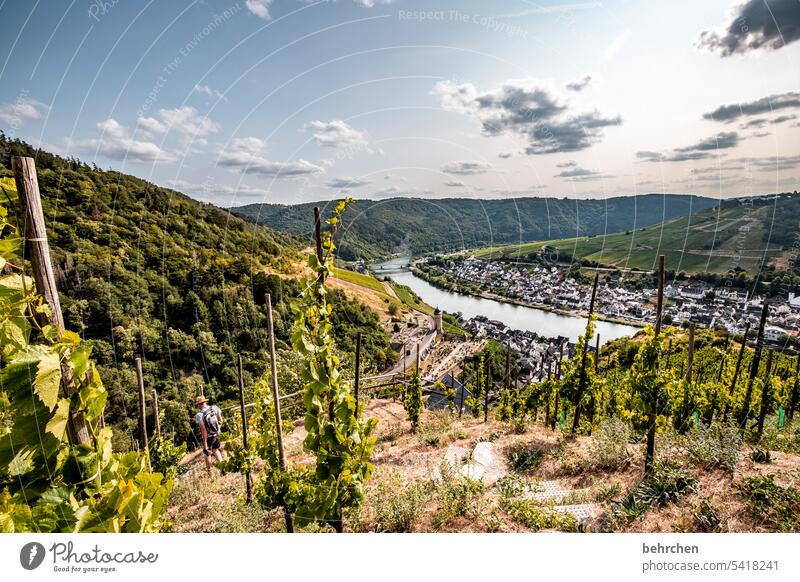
<point>373,228</point>
<point>149,272</point>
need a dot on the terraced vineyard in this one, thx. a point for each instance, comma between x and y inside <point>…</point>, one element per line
<point>711,240</point>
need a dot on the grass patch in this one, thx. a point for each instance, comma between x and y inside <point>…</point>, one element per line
<point>537,518</point>
<point>773,505</point>
<point>360,279</point>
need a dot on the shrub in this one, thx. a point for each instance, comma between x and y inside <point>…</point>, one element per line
<point>715,446</point>
<point>457,496</point>
<point>705,516</point>
<point>165,456</point>
<point>609,450</point>
<point>434,428</point>
<point>786,440</point>
<point>665,484</point>
<point>537,518</point>
<point>524,458</point>
<point>396,507</point>
<point>776,506</point>
<point>761,456</point>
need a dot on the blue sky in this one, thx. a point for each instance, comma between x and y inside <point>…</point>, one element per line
<point>294,101</point>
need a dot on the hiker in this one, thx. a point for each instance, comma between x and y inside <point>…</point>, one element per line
<point>209,419</point>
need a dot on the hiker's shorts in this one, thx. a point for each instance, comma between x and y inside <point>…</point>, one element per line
<point>213,443</point>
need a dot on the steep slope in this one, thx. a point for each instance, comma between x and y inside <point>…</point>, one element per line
<point>743,234</point>
<point>375,228</point>
<point>146,271</point>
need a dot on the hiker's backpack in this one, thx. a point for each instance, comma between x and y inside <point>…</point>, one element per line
<point>211,420</point>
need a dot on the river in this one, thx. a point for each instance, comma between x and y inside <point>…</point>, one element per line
<point>543,322</point>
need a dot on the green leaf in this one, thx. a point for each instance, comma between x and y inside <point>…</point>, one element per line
<point>57,425</point>
<point>48,379</point>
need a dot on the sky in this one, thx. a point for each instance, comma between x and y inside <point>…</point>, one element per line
<point>290,101</point>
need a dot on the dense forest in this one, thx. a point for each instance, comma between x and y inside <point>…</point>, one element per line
<point>148,272</point>
<point>375,228</point>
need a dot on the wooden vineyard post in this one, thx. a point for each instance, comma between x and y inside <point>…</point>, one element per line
<point>582,375</point>
<point>38,250</point>
<point>722,362</point>
<point>358,369</point>
<point>486,392</point>
<point>156,419</point>
<point>405,379</point>
<point>736,373</point>
<point>453,382</point>
<point>461,400</point>
<point>417,362</point>
<point>669,353</point>
<point>653,412</point>
<point>745,412</point>
<point>142,411</point>
<point>795,392</point>
<point>688,378</point>
<point>597,354</point>
<point>762,413</point>
<point>318,238</point>
<point>247,482</point>
<point>276,398</point>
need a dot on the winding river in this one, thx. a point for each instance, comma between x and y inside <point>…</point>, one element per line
<point>543,322</point>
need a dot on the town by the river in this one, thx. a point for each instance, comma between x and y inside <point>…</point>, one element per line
<point>544,323</point>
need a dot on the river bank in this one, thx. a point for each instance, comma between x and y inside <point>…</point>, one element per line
<point>518,302</point>
<point>516,315</point>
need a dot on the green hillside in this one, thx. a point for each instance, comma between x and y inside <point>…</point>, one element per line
<point>743,233</point>
<point>147,271</point>
<point>376,228</point>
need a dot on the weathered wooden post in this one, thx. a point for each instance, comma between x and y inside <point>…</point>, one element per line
<point>318,238</point>
<point>486,392</point>
<point>453,383</point>
<point>142,412</point>
<point>276,399</point>
<point>795,392</point>
<point>461,403</point>
<point>669,353</point>
<point>762,413</point>
<point>688,378</point>
<point>653,412</point>
<point>358,369</point>
<point>736,373</point>
<point>247,481</point>
<point>597,354</point>
<point>582,374</point>
<point>38,248</point>
<point>745,412</point>
<point>156,419</point>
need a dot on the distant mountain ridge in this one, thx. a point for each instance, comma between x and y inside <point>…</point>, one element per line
<point>373,229</point>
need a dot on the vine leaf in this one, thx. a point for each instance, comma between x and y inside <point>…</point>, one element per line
<point>57,425</point>
<point>48,379</point>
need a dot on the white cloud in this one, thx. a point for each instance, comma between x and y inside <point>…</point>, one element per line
<point>335,134</point>
<point>116,143</point>
<point>206,90</point>
<point>248,156</point>
<point>21,110</point>
<point>260,8</point>
<point>208,190</point>
<point>182,120</point>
